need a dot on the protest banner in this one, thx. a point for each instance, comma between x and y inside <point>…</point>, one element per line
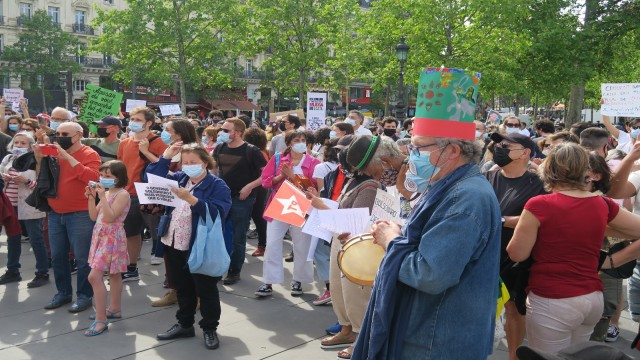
<point>97,103</point>
<point>171,109</point>
<point>157,194</point>
<point>279,115</point>
<point>316,110</point>
<point>289,205</point>
<point>13,95</point>
<point>621,99</point>
<point>132,104</point>
<point>385,207</point>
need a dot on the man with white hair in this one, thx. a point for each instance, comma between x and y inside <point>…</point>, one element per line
<point>59,115</point>
<point>69,222</point>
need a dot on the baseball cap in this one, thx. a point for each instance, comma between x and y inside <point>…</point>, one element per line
<point>515,138</point>
<point>590,350</point>
<point>109,120</point>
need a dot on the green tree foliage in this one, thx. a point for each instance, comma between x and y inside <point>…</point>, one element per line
<point>161,42</point>
<point>43,50</point>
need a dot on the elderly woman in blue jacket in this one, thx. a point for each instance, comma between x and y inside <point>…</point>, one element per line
<point>197,188</point>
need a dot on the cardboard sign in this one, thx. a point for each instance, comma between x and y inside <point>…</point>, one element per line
<point>280,115</point>
<point>13,95</point>
<point>289,205</point>
<point>385,207</point>
<point>132,104</point>
<point>316,110</point>
<point>157,194</point>
<point>621,99</point>
<point>97,103</point>
<point>171,109</point>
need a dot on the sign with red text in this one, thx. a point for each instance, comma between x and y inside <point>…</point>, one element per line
<point>289,205</point>
<point>621,99</point>
<point>316,110</point>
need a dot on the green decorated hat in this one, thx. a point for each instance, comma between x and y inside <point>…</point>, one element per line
<point>446,103</point>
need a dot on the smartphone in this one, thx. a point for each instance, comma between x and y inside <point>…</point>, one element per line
<point>48,149</point>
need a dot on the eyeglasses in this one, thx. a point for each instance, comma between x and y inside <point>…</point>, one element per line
<point>511,125</point>
<point>505,145</point>
<point>415,150</point>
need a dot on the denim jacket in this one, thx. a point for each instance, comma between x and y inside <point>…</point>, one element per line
<point>455,270</point>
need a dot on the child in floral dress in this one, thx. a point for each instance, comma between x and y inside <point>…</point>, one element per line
<point>109,242</point>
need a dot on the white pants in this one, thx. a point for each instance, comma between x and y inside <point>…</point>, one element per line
<point>272,267</point>
<point>554,324</point>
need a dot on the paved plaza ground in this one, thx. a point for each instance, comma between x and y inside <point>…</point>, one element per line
<point>281,327</point>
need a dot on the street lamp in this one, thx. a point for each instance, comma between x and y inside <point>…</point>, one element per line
<point>402,50</point>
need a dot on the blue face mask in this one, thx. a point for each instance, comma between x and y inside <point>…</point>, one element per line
<point>205,140</point>
<point>166,137</point>
<point>332,134</point>
<point>19,151</point>
<point>415,183</point>
<point>421,165</point>
<point>300,148</point>
<point>635,133</point>
<point>136,127</point>
<point>485,135</point>
<point>350,122</point>
<point>107,183</point>
<point>13,127</point>
<point>192,171</point>
<point>54,125</point>
<point>223,137</point>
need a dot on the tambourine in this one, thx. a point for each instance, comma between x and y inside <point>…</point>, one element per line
<point>359,259</point>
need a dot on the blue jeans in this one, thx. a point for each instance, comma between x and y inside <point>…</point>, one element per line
<point>14,247</point>
<point>240,215</point>
<point>321,259</point>
<point>65,231</point>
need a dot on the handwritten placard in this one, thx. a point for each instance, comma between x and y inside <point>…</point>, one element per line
<point>13,95</point>
<point>132,104</point>
<point>171,109</point>
<point>97,103</point>
<point>385,207</point>
<point>621,99</point>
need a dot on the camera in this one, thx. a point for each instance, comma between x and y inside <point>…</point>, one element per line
<point>93,184</point>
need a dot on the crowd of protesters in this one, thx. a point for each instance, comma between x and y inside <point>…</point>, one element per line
<point>533,206</point>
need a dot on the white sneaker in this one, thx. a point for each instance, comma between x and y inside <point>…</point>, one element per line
<point>156,260</point>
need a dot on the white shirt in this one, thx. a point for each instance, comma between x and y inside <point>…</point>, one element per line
<point>298,168</point>
<point>321,170</point>
<point>624,142</point>
<point>362,131</point>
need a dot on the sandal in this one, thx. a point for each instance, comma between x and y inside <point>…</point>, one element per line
<point>111,315</point>
<point>91,331</point>
<point>338,340</point>
<point>346,353</point>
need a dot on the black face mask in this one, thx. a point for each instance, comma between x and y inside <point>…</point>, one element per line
<point>283,126</point>
<point>63,141</point>
<point>501,156</point>
<point>102,132</point>
<point>389,132</point>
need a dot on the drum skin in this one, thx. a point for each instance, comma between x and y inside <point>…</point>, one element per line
<point>359,259</point>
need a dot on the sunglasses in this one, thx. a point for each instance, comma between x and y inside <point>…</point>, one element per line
<point>505,145</point>
<point>511,125</point>
<point>226,130</point>
<point>64,134</point>
<point>635,127</point>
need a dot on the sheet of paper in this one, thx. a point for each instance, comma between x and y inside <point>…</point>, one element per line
<point>621,99</point>
<point>313,227</point>
<point>13,95</point>
<point>132,104</point>
<point>312,248</point>
<point>171,109</point>
<point>159,180</point>
<point>157,194</point>
<point>353,221</point>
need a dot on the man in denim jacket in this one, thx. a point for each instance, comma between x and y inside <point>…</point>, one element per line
<point>436,290</point>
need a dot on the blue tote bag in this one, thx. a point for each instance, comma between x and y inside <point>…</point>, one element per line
<point>209,255</point>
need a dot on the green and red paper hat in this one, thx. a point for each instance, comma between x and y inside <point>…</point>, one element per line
<point>446,103</point>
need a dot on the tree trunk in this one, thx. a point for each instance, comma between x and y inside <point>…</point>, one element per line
<point>183,96</point>
<point>301,79</point>
<point>44,99</point>
<point>576,99</point>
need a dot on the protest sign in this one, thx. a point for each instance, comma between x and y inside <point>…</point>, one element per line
<point>316,110</point>
<point>621,99</point>
<point>171,109</point>
<point>157,194</point>
<point>354,221</point>
<point>313,226</point>
<point>289,205</point>
<point>97,103</point>
<point>132,104</point>
<point>385,207</point>
<point>13,95</point>
<point>279,115</point>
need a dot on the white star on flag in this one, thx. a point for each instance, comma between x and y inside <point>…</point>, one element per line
<point>290,206</point>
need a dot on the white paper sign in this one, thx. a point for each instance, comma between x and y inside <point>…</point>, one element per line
<point>15,107</point>
<point>171,109</point>
<point>157,194</point>
<point>353,221</point>
<point>385,207</point>
<point>316,110</point>
<point>132,104</point>
<point>621,99</point>
<point>159,180</point>
<point>313,227</point>
<point>13,95</point>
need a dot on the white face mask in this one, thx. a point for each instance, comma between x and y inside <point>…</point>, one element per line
<point>546,152</point>
<point>478,133</point>
<point>513,130</point>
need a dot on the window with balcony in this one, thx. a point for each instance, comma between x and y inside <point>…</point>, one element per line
<point>248,68</point>
<point>80,19</point>
<point>54,14</point>
<point>79,85</point>
<point>81,58</point>
<point>25,10</point>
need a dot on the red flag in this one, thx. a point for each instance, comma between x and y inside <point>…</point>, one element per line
<point>289,205</point>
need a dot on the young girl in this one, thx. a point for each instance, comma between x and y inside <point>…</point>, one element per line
<point>109,243</point>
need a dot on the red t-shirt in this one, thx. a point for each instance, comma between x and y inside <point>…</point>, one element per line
<point>566,253</point>
<point>73,180</point>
